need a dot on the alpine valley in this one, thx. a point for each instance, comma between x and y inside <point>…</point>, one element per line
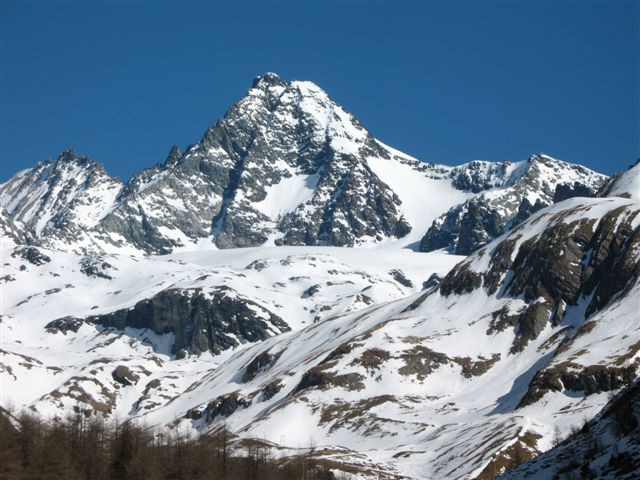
<point>300,282</point>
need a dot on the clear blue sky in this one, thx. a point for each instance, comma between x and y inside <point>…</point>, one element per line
<point>446,82</point>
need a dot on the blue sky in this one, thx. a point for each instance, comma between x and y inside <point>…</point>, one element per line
<point>447,82</point>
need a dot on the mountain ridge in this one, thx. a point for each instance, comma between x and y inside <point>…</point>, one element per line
<point>286,165</point>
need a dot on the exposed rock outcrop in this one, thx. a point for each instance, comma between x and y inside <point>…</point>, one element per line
<point>64,325</point>
<point>31,255</point>
<point>124,376</point>
<point>201,321</point>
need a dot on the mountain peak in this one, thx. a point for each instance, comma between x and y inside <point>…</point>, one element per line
<point>70,156</point>
<point>625,184</point>
<point>174,155</point>
<point>288,165</point>
<point>541,157</point>
<point>267,80</point>
<point>69,160</point>
<point>67,155</point>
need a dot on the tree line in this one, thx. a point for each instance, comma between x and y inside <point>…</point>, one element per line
<point>85,447</point>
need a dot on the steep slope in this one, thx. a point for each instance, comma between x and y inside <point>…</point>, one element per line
<point>606,447</point>
<point>286,165</point>
<point>511,195</point>
<point>418,375</point>
<point>626,184</point>
<point>447,383</point>
<point>520,341</point>
<point>169,205</point>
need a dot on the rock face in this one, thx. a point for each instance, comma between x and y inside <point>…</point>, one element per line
<point>467,377</point>
<point>515,192</point>
<point>261,363</point>
<point>450,381</point>
<point>124,376</point>
<point>64,325</point>
<point>214,320</point>
<point>170,204</point>
<point>590,380</point>
<point>95,267</point>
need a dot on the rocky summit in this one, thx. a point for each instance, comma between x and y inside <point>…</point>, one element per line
<point>296,284</point>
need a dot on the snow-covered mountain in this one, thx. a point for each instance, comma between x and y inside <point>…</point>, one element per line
<point>522,189</point>
<point>132,301</point>
<point>286,165</point>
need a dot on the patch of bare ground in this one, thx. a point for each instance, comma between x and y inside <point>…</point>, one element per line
<point>318,377</point>
<point>145,397</point>
<point>630,353</point>
<point>577,378</point>
<point>557,337</point>
<point>371,359</point>
<point>475,368</point>
<point>421,361</point>
<point>340,351</point>
<point>352,414</point>
<point>26,358</point>
<point>503,319</point>
<point>524,448</point>
<point>76,392</point>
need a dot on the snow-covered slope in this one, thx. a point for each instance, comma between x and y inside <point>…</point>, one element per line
<point>56,305</point>
<point>425,190</point>
<point>625,184</point>
<point>525,338</point>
